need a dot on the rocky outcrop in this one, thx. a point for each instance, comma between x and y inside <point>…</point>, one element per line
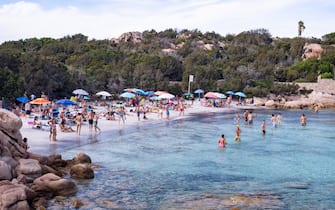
<point>10,136</point>
<point>55,184</point>
<point>29,168</point>
<point>312,51</point>
<point>314,100</point>
<point>29,180</point>
<point>15,196</point>
<point>129,37</point>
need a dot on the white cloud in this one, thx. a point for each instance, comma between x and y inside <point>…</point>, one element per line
<point>107,19</point>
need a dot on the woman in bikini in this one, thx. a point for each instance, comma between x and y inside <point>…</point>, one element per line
<point>78,122</point>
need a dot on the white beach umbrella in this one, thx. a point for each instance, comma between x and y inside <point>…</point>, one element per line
<point>103,93</point>
<point>220,95</point>
<point>80,92</point>
<point>166,96</point>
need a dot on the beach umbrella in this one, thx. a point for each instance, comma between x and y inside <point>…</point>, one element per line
<point>139,92</point>
<point>220,95</point>
<point>65,102</point>
<point>22,99</point>
<point>199,91</point>
<point>158,93</point>
<point>127,95</point>
<point>240,94</point>
<point>149,93</point>
<point>135,90</point>
<point>166,96</point>
<point>210,95</point>
<point>40,101</point>
<point>103,93</point>
<point>80,92</point>
<point>230,92</point>
<point>154,98</point>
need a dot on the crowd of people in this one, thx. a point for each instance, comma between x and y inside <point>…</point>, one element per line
<point>275,120</point>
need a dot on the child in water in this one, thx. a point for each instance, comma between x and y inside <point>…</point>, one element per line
<point>222,141</point>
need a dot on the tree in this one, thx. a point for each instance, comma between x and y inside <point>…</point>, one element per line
<point>301,27</point>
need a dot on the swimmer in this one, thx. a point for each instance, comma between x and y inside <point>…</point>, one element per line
<point>274,121</point>
<point>303,120</point>
<point>238,133</point>
<point>263,127</point>
<point>222,141</point>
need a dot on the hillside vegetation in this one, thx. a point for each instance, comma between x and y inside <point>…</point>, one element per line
<point>251,61</point>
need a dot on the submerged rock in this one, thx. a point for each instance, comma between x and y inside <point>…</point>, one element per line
<point>82,171</point>
<point>260,200</point>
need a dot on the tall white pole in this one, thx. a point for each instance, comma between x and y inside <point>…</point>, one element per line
<point>190,79</point>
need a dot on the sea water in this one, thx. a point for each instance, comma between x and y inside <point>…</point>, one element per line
<point>178,165</point>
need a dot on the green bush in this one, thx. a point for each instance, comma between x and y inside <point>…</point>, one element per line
<point>327,75</point>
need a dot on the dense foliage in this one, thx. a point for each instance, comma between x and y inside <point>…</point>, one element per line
<point>251,61</point>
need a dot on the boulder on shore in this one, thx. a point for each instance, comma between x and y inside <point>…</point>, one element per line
<point>23,184</point>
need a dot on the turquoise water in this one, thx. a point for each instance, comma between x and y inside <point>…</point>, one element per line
<point>177,165</point>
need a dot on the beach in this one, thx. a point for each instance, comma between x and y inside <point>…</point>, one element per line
<point>39,142</point>
<point>176,163</point>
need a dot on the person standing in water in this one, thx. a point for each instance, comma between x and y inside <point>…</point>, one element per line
<point>303,120</point>
<point>238,133</point>
<point>263,127</point>
<point>222,141</point>
<point>274,121</point>
<point>95,122</point>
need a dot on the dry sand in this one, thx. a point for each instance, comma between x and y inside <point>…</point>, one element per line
<point>38,140</point>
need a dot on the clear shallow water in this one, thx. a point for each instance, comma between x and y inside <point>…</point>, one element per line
<point>178,165</point>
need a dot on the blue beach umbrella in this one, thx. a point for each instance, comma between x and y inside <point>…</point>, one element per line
<point>199,92</point>
<point>136,91</point>
<point>240,94</point>
<point>139,92</point>
<point>127,95</point>
<point>230,92</point>
<point>65,102</point>
<point>149,93</point>
<point>22,99</point>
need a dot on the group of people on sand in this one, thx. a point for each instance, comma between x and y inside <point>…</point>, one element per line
<point>93,119</point>
<point>248,118</point>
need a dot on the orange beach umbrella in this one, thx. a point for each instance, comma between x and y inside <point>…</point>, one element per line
<point>40,101</point>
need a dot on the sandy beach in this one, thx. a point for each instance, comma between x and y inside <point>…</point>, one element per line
<point>39,142</point>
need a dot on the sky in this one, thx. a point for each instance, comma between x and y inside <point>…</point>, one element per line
<point>106,19</point>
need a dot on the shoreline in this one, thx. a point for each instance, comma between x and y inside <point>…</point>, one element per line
<point>39,142</point>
